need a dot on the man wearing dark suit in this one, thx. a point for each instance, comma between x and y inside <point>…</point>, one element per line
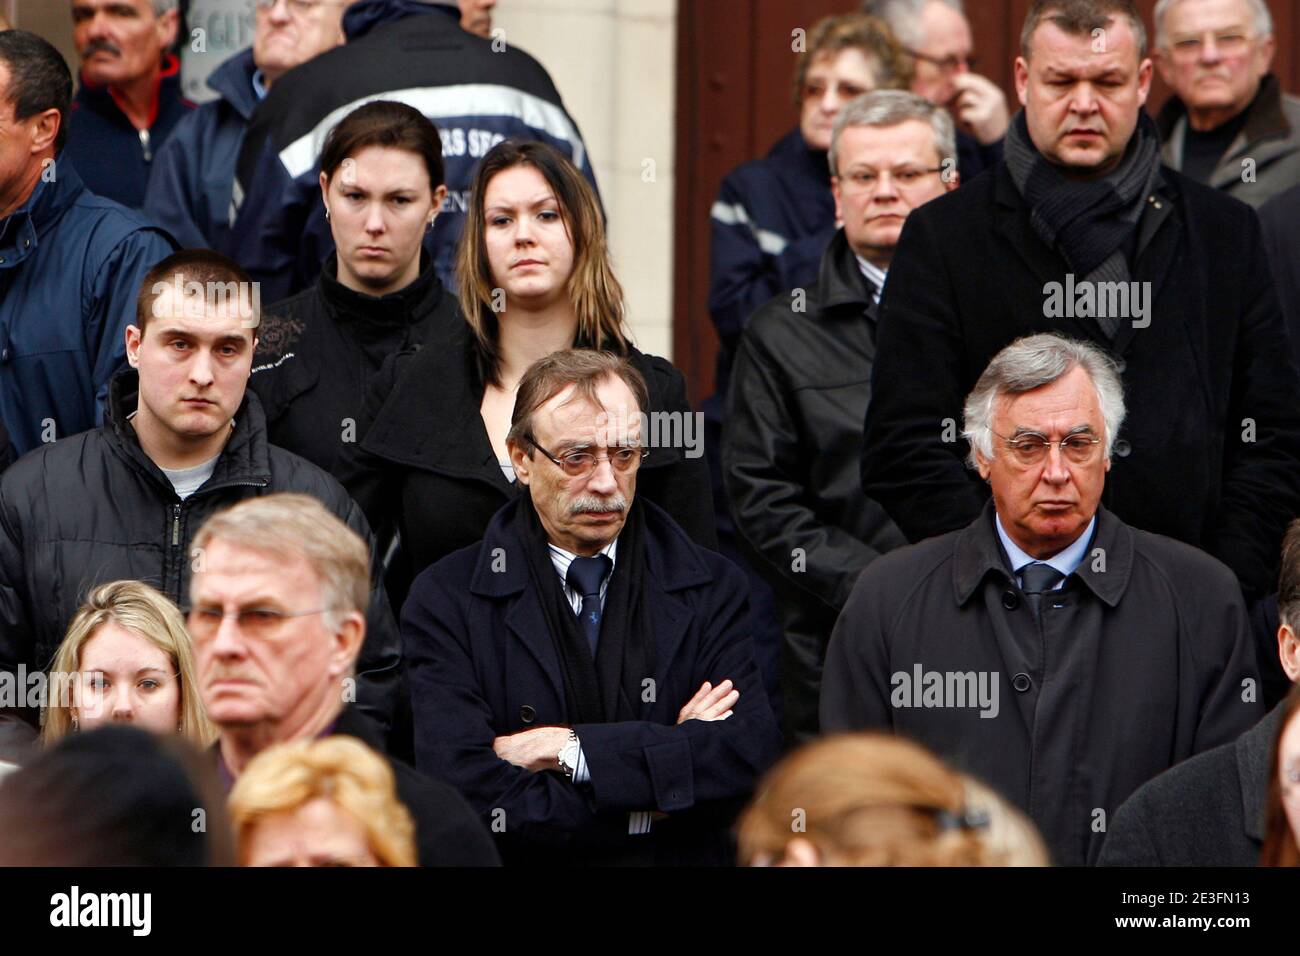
<point>279,595</point>
<point>1210,810</point>
<point>584,674</point>
<point>1081,231</point>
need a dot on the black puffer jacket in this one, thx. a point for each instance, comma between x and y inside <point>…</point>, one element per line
<point>318,351</point>
<point>790,453</point>
<point>94,508</point>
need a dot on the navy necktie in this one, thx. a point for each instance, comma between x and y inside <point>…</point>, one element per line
<point>1035,580</point>
<point>585,576</point>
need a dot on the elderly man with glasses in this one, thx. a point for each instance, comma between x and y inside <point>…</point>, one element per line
<point>1228,124</point>
<point>584,674</point>
<point>937,36</point>
<point>193,178</point>
<point>1048,648</point>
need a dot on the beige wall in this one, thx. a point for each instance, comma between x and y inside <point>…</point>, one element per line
<point>52,19</point>
<point>614,62</point>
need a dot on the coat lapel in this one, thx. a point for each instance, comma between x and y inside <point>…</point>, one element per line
<point>528,625</point>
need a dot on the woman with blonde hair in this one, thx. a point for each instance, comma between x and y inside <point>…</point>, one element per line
<point>877,800</point>
<point>535,277</point>
<point>327,802</point>
<point>126,657</point>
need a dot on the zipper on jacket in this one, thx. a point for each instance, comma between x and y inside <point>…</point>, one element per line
<point>148,151</point>
<point>176,525</point>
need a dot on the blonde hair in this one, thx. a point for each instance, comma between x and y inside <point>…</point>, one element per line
<point>593,289</point>
<point>146,612</point>
<point>293,525</point>
<point>877,800</point>
<point>343,770</point>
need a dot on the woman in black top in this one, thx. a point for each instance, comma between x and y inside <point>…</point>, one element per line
<point>534,277</point>
<point>382,181</point>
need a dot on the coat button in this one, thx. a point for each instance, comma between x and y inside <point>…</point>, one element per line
<point>1021,682</point>
<point>1010,600</point>
<point>1123,449</point>
<point>527,714</point>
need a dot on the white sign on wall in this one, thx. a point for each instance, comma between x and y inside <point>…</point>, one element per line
<point>216,31</point>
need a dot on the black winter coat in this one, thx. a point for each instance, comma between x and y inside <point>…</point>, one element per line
<point>94,508</point>
<point>425,467</point>
<point>1210,451</point>
<point>790,459</point>
<point>1207,811</point>
<point>447,831</point>
<point>318,352</point>
<point>1139,663</point>
<point>483,663</point>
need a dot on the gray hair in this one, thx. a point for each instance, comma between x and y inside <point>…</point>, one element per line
<point>890,108</point>
<point>1258,9</point>
<point>165,6</point>
<point>1032,362</point>
<point>904,17</point>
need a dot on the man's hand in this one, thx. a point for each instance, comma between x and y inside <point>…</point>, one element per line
<point>979,108</point>
<point>537,749</point>
<point>710,703</point>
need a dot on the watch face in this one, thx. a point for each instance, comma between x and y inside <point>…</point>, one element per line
<point>569,755</point>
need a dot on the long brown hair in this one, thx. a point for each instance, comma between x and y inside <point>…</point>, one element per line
<point>593,289</point>
<point>1279,842</point>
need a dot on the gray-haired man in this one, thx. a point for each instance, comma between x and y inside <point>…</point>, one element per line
<point>1228,123</point>
<point>801,381</point>
<point>1048,648</point>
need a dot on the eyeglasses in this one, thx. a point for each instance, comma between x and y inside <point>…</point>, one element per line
<point>257,622</point>
<point>815,90</point>
<point>301,7</point>
<point>947,64</point>
<point>580,464</point>
<point>1229,43</point>
<point>1031,448</point>
<point>904,176</point>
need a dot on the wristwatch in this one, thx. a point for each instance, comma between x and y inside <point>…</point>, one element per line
<point>568,756</point>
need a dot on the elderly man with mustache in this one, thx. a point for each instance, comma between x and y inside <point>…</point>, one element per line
<point>585,674</point>
<point>130,97</point>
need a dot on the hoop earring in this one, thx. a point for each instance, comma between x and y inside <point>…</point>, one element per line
<point>74,722</point>
<point>327,213</point>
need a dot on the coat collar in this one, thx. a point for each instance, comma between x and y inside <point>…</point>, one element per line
<point>840,282</point>
<point>406,306</point>
<point>1254,762</point>
<point>672,564</point>
<point>233,82</point>
<point>21,233</point>
<point>1265,118</point>
<point>105,99</point>
<point>364,16</point>
<point>977,554</point>
<point>246,459</point>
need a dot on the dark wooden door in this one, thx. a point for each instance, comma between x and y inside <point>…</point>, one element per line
<point>735,65</point>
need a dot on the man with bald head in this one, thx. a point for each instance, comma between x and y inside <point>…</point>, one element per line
<point>584,674</point>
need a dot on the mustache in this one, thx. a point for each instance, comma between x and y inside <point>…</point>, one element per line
<point>596,503</point>
<point>96,46</point>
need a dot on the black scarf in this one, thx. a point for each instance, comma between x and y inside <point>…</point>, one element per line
<point>1088,222</point>
<point>611,687</point>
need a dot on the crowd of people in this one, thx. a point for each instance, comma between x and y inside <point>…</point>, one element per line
<point>338,506</point>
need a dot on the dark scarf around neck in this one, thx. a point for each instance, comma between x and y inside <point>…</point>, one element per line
<point>612,686</point>
<point>1088,222</point>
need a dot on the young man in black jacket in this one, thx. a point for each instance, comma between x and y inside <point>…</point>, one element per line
<point>184,439</point>
<point>802,378</point>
